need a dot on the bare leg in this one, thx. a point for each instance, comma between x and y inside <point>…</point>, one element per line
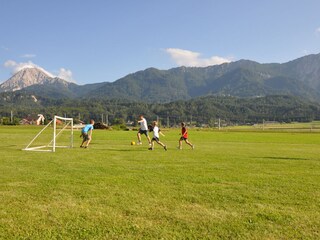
<point>189,143</point>
<point>89,140</point>
<point>151,145</point>
<point>139,137</point>
<point>163,145</point>
<point>82,142</point>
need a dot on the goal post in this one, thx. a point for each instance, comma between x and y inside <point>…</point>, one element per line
<point>56,133</point>
<point>59,126</point>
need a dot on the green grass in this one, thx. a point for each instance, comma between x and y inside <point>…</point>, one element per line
<point>234,185</point>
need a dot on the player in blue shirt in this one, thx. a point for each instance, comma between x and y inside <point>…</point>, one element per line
<point>86,134</point>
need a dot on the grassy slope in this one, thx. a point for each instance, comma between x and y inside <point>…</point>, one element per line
<point>239,185</point>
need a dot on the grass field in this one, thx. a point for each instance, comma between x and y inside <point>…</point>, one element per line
<point>234,185</point>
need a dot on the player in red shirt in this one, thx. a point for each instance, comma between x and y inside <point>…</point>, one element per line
<point>184,136</point>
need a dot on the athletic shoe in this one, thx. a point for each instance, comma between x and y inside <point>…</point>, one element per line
<point>192,147</point>
<point>165,148</point>
<point>179,148</point>
<point>150,148</point>
<point>139,143</point>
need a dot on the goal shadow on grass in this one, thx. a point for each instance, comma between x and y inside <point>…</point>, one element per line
<point>17,147</point>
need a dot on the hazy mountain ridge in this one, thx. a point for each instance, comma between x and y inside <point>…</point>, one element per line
<point>243,78</point>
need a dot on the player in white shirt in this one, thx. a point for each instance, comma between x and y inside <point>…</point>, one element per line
<point>143,130</point>
<point>156,137</point>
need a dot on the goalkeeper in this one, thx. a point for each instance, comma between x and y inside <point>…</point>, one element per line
<point>86,134</point>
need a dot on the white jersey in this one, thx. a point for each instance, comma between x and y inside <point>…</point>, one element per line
<point>143,124</point>
<point>156,131</point>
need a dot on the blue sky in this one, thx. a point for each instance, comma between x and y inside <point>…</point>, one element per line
<point>103,40</point>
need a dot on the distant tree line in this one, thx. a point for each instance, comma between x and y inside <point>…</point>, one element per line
<point>203,110</point>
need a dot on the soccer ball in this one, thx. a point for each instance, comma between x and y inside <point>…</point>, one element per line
<point>133,143</point>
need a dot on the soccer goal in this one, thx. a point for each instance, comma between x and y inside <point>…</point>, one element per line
<point>58,133</point>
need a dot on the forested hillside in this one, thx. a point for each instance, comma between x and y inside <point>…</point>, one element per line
<point>239,92</point>
<point>243,78</point>
<point>203,110</point>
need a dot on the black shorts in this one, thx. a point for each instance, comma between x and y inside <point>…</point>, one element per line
<point>183,138</point>
<point>155,139</point>
<point>85,136</point>
<point>145,132</point>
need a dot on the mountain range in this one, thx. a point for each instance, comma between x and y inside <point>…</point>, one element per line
<point>243,78</point>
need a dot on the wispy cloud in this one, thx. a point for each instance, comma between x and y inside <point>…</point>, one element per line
<point>5,48</point>
<point>16,67</point>
<point>28,56</point>
<point>317,31</point>
<point>66,75</point>
<point>193,59</point>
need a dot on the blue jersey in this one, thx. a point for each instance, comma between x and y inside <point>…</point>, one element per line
<point>87,128</point>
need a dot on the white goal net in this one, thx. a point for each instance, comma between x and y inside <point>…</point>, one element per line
<point>57,133</point>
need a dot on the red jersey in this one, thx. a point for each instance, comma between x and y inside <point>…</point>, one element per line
<point>184,132</point>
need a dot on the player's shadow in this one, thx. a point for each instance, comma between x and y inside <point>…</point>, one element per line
<point>121,149</point>
<point>286,158</point>
<point>127,150</point>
